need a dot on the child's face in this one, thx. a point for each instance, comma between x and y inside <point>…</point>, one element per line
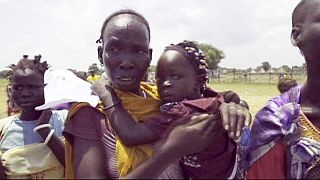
<point>27,89</point>
<point>126,53</point>
<point>176,78</point>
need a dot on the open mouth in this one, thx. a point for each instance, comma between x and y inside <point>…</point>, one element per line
<point>125,79</point>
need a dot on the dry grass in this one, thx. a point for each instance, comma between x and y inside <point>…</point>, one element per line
<point>3,98</point>
<point>256,95</point>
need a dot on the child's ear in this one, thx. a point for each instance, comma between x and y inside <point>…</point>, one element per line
<point>200,81</point>
<point>100,52</point>
<point>295,36</point>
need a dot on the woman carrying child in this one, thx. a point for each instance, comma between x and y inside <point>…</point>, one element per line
<point>285,135</point>
<point>126,55</point>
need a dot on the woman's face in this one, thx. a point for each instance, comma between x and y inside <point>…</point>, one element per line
<point>27,89</point>
<point>309,32</point>
<point>126,54</point>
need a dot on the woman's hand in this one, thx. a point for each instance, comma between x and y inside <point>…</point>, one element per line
<point>188,135</point>
<point>234,118</point>
<point>191,136</point>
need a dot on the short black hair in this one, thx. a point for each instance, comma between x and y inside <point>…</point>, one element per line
<point>33,64</point>
<point>286,84</point>
<point>120,12</point>
<point>196,57</point>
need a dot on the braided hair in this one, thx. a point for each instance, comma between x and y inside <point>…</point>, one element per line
<point>120,12</point>
<point>196,57</point>
<point>26,63</point>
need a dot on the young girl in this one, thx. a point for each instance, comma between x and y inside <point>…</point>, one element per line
<point>285,134</point>
<point>29,143</point>
<point>181,79</point>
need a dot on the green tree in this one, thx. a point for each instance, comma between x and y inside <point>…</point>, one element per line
<point>213,54</point>
<point>286,68</point>
<point>266,66</point>
<point>95,68</point>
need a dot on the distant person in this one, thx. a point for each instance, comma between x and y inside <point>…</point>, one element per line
<point>285,134</point>
<point>285,84</point>
<point>244,103</point>
<point>30,145</point>
<point>93,76</point>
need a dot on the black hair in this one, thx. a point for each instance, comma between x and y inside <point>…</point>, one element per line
<point>285,84</point>
<point>120,12</point>
<point>33,64</point>
<point>196,57</point>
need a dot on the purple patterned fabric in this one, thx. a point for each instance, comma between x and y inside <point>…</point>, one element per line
<point>279,119</point>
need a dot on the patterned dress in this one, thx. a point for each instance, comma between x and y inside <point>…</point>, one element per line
<point>283,142</point>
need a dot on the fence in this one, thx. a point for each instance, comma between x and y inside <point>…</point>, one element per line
<point>263,78</point>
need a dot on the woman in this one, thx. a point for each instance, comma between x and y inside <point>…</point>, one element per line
<point>285,135</point>
<point>126,55</point>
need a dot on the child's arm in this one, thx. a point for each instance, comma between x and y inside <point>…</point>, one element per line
<point>55,144</point>
<point>127,129</point>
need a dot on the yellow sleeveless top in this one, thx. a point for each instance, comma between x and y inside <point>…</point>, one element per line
<point>140,108</point>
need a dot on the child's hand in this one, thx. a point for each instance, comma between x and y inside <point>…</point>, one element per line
<point>99,88</point>
<point>45,117</point>
<point>105,92</point>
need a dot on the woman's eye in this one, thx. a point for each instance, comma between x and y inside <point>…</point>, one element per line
<point>18,88</point>
<point>176,77</point>
<point>35,87</point>
<point>139,51</point>
<point>112,50</point>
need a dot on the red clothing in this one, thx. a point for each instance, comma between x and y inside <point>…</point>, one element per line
<point>173,111</point>
<point>221,153</point>
<point>271,165</point>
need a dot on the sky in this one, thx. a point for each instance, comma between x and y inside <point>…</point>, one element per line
<point>64,32</point>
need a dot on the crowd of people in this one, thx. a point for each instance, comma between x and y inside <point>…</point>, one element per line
<point>175,128</point>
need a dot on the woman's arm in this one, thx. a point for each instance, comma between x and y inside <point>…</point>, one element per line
<point>184,138</point>
<point>84,131</point>
<point>55,144</point>
<point>127,129</point>
<point>88,159</point>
